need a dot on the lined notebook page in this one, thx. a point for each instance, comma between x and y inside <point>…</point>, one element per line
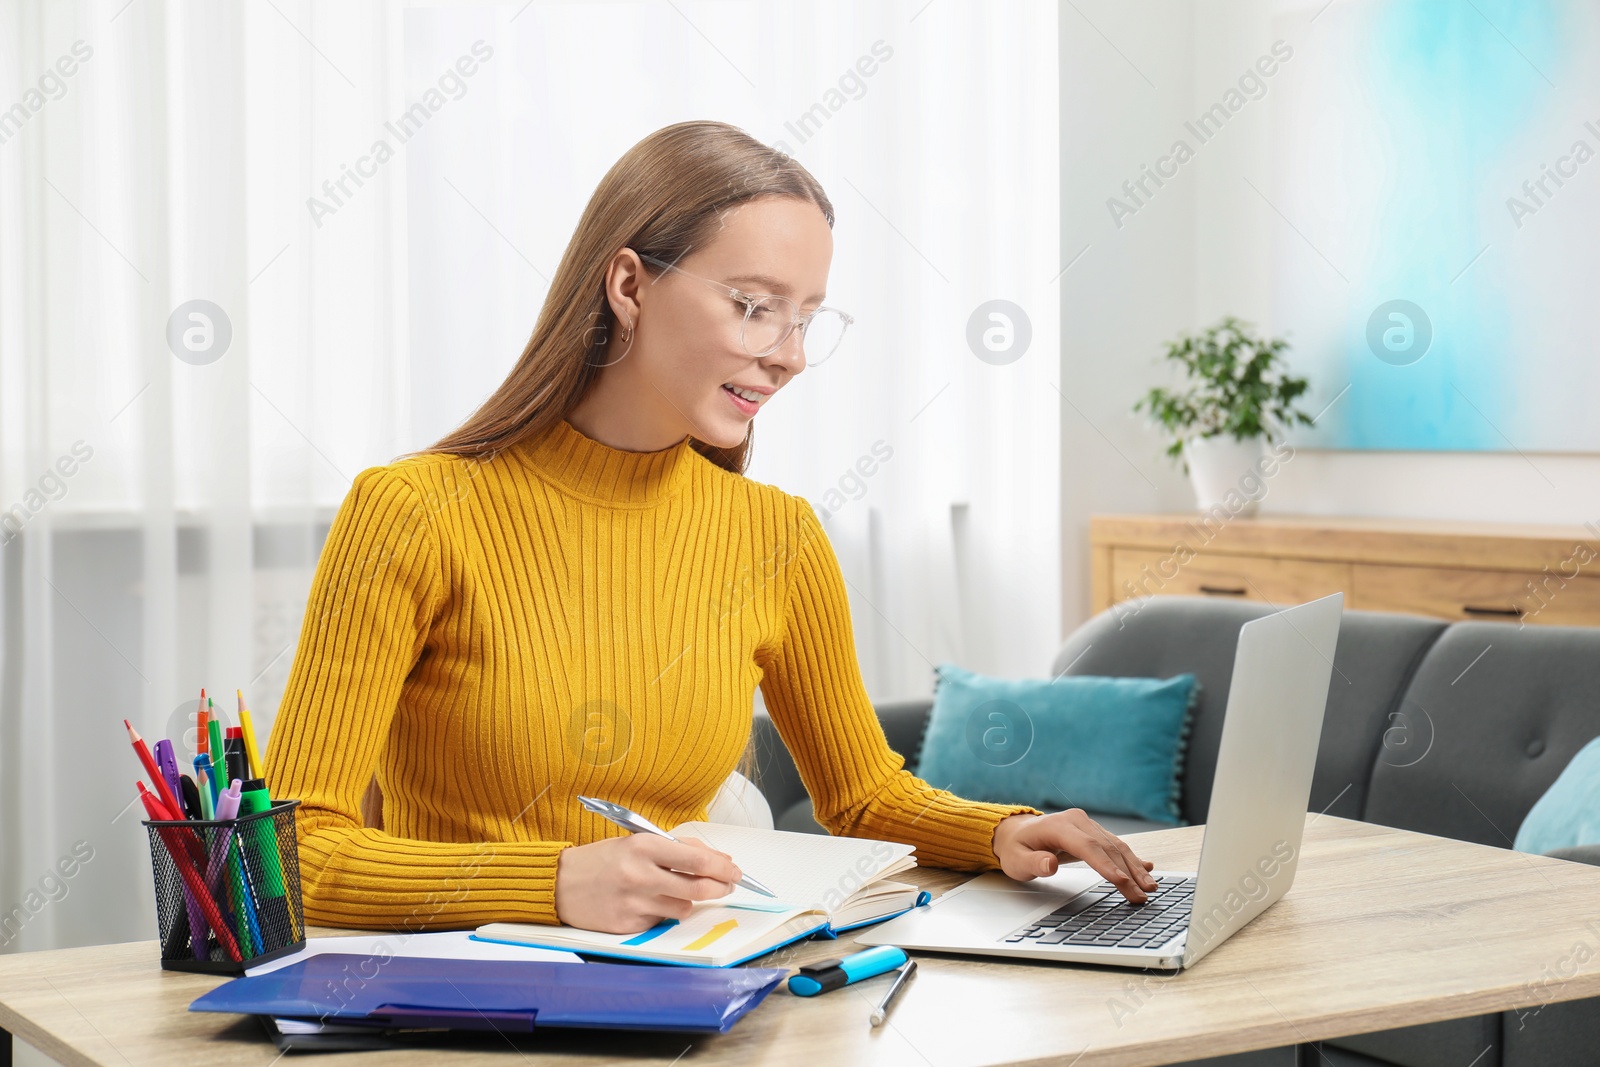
<point>711,933</point>
<point>708,923</point>
<point>806,870</point>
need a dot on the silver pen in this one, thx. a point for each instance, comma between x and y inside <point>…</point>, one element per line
<point>636,823</point>
<point>881,1012</point>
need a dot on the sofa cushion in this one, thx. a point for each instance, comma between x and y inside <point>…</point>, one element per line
<point>1589,854</point>
<point>798,818</point>
<point>777,777</point>
<point>776,774</point>
<point>1452,1043</point>
<point>1561,1034</point>
<point>1107,744</point>
<point>1166,635</point>
<point>1325,1055</point>
<point>1504,710</point>
<point>1568,815</point>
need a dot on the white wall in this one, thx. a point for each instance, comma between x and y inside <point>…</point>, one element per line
<point>1121,101</point>
<point>1233,259</point>
<point>1202,247</point>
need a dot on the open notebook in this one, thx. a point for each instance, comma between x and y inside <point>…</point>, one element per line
<point>822,885</point>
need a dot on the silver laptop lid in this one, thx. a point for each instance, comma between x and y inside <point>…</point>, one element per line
<point>1268,754</point>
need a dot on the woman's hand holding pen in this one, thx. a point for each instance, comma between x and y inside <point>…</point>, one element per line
<point>622,885</point>
<point>1033,846</point>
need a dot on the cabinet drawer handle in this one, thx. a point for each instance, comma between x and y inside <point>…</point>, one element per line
<point>1472,609</point>
<point>1223,590</point>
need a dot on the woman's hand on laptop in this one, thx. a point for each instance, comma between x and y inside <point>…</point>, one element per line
<point>1034,846</point>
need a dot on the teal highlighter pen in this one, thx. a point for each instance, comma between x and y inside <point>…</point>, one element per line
<point>837,973</point>
<point>242,883</point>
<point>205,785</point>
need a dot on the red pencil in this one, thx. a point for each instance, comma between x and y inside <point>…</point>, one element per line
<point>173,838</point>
<point>142,750</point>
<point>202,741</point>
<point>152,804</point>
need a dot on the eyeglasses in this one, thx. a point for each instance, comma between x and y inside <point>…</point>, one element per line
<point>769,320</point>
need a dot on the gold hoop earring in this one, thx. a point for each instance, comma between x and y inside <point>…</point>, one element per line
<point>627,334</point>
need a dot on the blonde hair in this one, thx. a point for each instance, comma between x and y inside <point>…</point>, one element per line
<point>665,197</point>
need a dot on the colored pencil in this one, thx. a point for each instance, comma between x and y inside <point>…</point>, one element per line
<point>163,791</point>
<point>257,768</point>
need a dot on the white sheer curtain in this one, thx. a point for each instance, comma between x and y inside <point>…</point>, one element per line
<point>179,162</point>
<point>173,164</point>
<point>933,127</point>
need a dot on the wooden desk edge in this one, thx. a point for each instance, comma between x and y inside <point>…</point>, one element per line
<point>1417,1010</point>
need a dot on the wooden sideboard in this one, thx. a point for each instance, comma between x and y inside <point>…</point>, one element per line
<point>1451,570</point>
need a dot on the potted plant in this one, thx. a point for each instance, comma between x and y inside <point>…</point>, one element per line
<point>1236,397</point>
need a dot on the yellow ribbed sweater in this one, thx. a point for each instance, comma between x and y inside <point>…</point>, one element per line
<point>494,639</point>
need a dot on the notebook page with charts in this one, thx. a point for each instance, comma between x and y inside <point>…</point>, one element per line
<point>821,885</point>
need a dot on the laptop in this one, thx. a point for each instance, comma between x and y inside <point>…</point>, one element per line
<point>1248,856</point>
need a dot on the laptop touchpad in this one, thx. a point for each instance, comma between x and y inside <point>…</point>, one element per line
<point>991,907</point>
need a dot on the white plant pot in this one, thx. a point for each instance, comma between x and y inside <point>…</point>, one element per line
<point>1223,472</point>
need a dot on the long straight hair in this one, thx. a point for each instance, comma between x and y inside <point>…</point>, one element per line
<point>665,197</point>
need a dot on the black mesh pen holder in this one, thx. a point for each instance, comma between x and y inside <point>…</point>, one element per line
<point>227,890</point>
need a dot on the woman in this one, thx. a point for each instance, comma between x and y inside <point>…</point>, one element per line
<point>577,592</point>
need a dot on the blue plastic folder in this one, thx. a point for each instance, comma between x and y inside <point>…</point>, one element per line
<point>506,995</point>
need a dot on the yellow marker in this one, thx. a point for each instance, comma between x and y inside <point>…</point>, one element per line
<point>711,935</point>
<point>252,753</point>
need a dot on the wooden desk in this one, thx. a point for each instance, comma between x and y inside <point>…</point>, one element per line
<point>1382,928</point>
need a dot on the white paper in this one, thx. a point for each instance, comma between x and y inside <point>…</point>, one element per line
<point>446,945</point>
<point>804,870</point>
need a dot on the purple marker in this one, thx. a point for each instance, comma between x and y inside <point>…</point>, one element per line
<point>199,931</point>
<point>227,808</point>
<point>167,763</point>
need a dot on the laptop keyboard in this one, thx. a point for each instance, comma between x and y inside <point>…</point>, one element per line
<point>1103,917</point>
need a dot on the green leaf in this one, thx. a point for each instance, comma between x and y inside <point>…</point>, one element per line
<point>1237,383</point>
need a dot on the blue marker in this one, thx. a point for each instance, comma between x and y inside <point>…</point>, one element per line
<point>204,767</point>
<point>836,973</point>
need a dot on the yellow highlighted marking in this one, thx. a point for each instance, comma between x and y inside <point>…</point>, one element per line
<point>711,935</point>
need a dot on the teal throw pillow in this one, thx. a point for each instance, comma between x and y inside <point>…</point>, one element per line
<point>1112,746</point>
<point>1568,814</point>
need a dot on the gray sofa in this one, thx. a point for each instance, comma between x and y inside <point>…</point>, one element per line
<point>1447,729</point>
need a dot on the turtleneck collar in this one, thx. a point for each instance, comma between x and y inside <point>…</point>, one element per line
<point>586,468</point>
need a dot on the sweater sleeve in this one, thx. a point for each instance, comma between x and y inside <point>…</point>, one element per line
<point>378,588</point>
<point>814,692</point>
